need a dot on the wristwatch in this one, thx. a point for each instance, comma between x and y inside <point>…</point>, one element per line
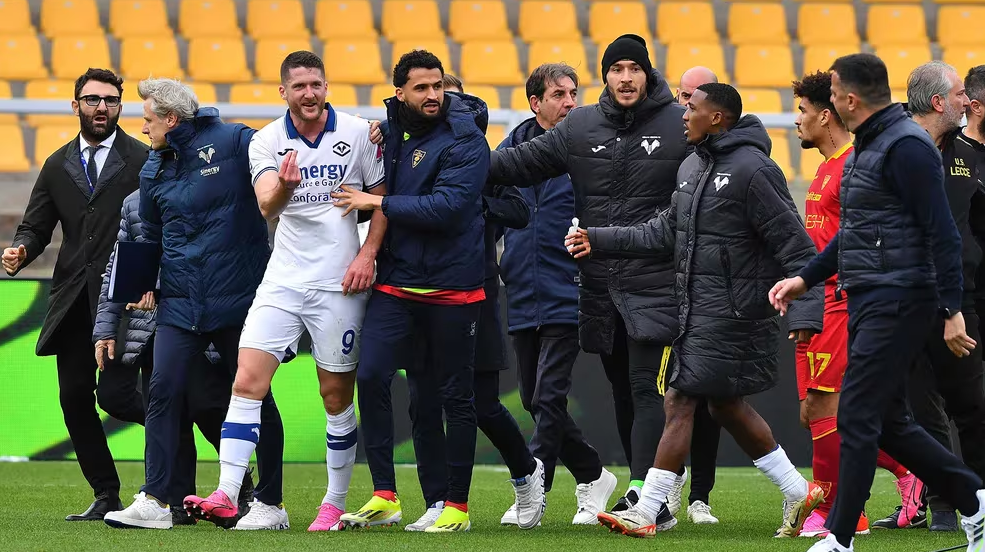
<point>947,313</point>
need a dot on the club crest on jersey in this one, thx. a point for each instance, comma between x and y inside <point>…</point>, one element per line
<point>206,153</point>
<point>650,144</point>
<point>721,180</point>
<point>827,178</point>
<point>341,149</point>
<point>418,156</point>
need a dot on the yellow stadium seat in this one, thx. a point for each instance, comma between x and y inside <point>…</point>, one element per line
<point>686,22</point>
<point>15,18</point>
<point>69,17</point>
<point>143,18</point>
<point>757,23</point>
<point>495,134</point>
<point>343,95</point>
<point>134,126</point>
<point>893,1</point>
<point>960,26</point>
<point>478,20</point>
<point>681,57</point>
<point>820,58</point>
<point>73,55</point>
<point>810,160</point>
<point>763,66</point>
<point>590,95</point>
<point>149,57</point>
<point>336,19</point>
<point>437,47</point>
<point>761,100</point>
<point>205,92</point>
<point>270,53</point>
<point>62,90</point>
<point>275,19</point>
<point>544,19</point>
<point>819,24</point>
<point>20,58</point>
<point>255,93</point>
<point>220,60</point>
<point>5,94</point>
<point>892,25</point>
<point>899,95</point>
<point>959,1</point>
<point>518,99</point>
<point>571,52</point>
<point>902,60</point>
<point>609,20</point>
<point>355,61</point>
<point>491,62</point>
<point>380,92</point>
<point>780,152</point>
<point>403,19</point>
<point>964,58</point>
<point>12,155</point>
<point>211,19</point>
<point>488,94</point>
<point>48,139</point>
<point>254,123</point>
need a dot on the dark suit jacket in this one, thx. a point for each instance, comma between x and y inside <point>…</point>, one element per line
<point>89,220</point>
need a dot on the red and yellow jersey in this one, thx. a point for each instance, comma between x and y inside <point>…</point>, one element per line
<point>823,206</point>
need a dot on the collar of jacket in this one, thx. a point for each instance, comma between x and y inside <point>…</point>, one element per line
<point>464,110</point>
<point>658,95</point>
<point>877,123</point>
<point>526,131</point>
<point>747,131</point>
<point>182,135</point>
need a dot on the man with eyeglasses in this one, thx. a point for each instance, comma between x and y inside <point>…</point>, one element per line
<point>82,186</point>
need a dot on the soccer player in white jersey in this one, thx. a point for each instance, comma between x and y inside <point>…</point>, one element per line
<point>315,280</point>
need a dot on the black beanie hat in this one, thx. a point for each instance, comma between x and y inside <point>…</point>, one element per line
<point>627,46</point>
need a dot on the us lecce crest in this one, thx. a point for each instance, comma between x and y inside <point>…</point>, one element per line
<point>418,156</point>
<point>827,177</point>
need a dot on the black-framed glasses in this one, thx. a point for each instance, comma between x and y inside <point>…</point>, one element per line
<point>93,100</point>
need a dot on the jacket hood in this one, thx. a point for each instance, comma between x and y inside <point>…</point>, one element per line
<point>521,133</point>
<point>187,130</point>
<point>748,131</point>
<point>658,95</point>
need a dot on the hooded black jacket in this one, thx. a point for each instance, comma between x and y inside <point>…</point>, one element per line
<point>734,231</point>
<point>622,164</point>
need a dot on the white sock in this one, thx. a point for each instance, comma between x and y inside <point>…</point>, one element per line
<point>778,468</point>
<point>239,438</point>
<point>340,456</point>
<point>657,485</point>
<point>638,490</point>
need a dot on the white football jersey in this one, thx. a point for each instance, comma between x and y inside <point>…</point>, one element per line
<point>314,244</point>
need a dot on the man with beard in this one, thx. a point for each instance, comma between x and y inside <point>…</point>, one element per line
<point>198,207</point>
<point>974,83</point>
<point>430,278</point>
<point>314,281</point>
<point>542,294</point>
<point>622,155</point>
<point>822,359</point>
<point>731,227</point>
<point>946,386</point>
<point>897,254</point>
<point>82,187</point>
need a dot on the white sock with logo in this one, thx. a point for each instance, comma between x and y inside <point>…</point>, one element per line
<point>240,435</point>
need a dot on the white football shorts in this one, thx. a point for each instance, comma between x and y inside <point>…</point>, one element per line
<point>279,315</point>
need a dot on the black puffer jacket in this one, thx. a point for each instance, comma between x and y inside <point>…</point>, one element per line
<point>735,232</point>
<point>623,165</point>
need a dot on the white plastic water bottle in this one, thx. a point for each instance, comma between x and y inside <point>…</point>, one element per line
<point>573,229</point>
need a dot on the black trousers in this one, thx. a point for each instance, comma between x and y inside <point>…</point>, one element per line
<point>77,385</point>
<point>545,357</point>
<point>873,413</point>
<point>950,388</point>
<point>705,438</point>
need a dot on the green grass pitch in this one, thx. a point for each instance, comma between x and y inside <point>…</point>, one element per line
<point>36,497</point>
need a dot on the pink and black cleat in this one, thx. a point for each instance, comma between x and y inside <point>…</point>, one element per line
<point>217,508</point>
<point>328,519</point>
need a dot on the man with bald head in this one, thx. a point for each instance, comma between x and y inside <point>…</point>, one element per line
<point>691,80</point>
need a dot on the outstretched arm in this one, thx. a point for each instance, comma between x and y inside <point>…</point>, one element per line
<point>534,161</point>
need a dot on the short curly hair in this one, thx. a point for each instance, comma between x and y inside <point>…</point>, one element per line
<point>816,88</point>
<point>415,59</point>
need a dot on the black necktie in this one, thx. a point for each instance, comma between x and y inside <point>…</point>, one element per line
<point>91,172</point>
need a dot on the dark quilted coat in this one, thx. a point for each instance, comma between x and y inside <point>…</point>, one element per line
<point>735,232</point>
<point>622,164</point>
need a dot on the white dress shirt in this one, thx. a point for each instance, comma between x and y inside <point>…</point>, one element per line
<point>101,154</point>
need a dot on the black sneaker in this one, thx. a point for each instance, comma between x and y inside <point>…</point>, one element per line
<point>626,501</point>
<point>943,521</point>
<point>245,494</point>
<point>891,521</point>
<point>180,517</point>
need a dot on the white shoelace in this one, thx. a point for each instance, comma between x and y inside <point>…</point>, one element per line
<point>147,507</point>
<point>259,510</point>
<point>583,495</point>
<point>700,508</point>
<point>430,516</point>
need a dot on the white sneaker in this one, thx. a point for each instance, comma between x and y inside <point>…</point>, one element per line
<point>700,513</point>
<point>974,526</point>
<point>593,498</point>
<point>264,516</point>
<point>144,513</point>
<point>509,518</point>
<point>830,544</point>
<point>674,498</point>
<point>428,519</point>
<point>530,500</point>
